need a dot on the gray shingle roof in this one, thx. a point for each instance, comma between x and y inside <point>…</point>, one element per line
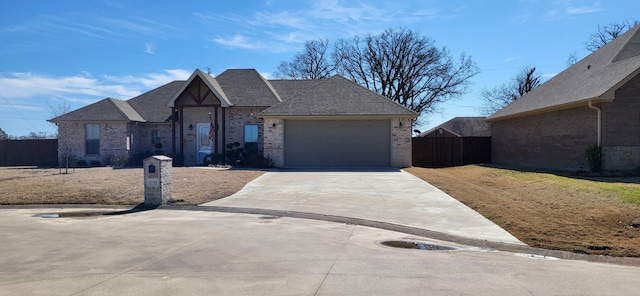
<point>152,105</point>
<point>464,127</point>
<point>336,96</point>
<point>105,110</point>
<point>596,77</point>
<point>290,88</point>
<point>247,88</point>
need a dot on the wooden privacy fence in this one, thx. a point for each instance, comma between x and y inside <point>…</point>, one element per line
<point>450,151</point>
<point>40,152</point>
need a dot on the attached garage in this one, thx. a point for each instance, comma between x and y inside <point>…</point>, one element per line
<point>336,123</point>
<point>337,143</point>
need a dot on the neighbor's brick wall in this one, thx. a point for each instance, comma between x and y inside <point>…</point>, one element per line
<point>274,141</point>
<point>621,129</point>
<point>555,140</point>
<point>401,142</point>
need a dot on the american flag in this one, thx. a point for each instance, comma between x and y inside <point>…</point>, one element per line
<point>212,131</point>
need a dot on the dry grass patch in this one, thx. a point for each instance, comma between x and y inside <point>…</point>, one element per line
<point>21,186</point>
<point>594,216</point>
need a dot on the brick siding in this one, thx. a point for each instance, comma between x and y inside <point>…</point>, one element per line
<point>554,140</point>
<point>400,142</point>
<point>621,129</point>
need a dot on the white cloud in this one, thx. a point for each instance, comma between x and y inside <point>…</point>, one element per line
<point>83,88</point>
<point>583,9</point>
<point>280,30</point>
<point>150,48</point>
<point>511,59</point>
<point>238,41</point>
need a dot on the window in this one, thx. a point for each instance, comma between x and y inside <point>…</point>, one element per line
<point>92,139</point>
<point>155,137</point>
<point>251,138</point>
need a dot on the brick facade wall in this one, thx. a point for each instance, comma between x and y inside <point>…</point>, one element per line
<point>237,118</point>
<point>71,141</point>
<point>554,140</point>
<point>141,137</point>
<point>621,129</point>
<point>401,142</point>
<point>274,141</point>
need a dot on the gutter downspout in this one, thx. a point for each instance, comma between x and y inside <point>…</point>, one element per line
<point>591,106</point>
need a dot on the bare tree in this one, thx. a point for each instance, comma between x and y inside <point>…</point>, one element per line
<point>311,63</point>
<point>606,33</point>
<point>405,67</point>
<point>60,109</point>
<point>3,135</point>
<point>496,98</point>
<point>572,59</point>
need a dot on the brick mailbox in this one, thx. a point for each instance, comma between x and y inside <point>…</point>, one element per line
<point>157,180</point>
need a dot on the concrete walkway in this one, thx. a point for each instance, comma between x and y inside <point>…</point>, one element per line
<point>391,196</point>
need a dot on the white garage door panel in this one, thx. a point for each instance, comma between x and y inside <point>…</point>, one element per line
<point>337,143</point>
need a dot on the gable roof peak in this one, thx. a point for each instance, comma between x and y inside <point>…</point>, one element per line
<point>210,82</point>
<point>631,48</point>
<point>595,77</point>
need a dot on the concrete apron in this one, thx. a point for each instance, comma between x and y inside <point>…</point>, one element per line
<point>390,196</point>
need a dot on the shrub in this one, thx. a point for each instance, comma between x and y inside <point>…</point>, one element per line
<point>234,153</point>
<point>178,159</point>
<point>119,159</point>
<point>593,155</point>
<point>95,163</point>
<point>213,159</point>
<point>259,161</point>
<point>137,158</point>
<point>82,163</point>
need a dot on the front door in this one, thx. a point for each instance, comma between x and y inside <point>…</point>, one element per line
<point>203,143</point>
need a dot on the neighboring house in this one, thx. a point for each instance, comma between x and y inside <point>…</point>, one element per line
<point>296,123</point>
<point>460,127</point>
<point>459,141</point>
<point>595,101</point>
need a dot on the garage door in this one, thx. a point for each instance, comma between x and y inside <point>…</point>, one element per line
<point>337,143</point>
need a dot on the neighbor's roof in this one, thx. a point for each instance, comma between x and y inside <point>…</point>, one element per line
<point>596,77</point>
<point>337,96</point>
<point>464,127</point>
<point>105,110</point>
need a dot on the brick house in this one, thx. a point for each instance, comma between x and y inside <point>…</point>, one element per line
<point>594,101</point>
<point>296,123</point>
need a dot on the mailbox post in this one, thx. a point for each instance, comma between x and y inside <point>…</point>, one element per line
<point>157,180</point>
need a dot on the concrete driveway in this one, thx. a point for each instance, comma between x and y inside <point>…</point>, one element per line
<point>391,196</point>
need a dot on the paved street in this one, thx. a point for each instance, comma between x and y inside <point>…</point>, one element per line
<point>174,252</point>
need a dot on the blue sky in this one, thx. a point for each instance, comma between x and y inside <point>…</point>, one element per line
<point>79,52</point>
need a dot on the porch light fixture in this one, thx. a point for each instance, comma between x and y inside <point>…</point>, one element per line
<point>190,127</point>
